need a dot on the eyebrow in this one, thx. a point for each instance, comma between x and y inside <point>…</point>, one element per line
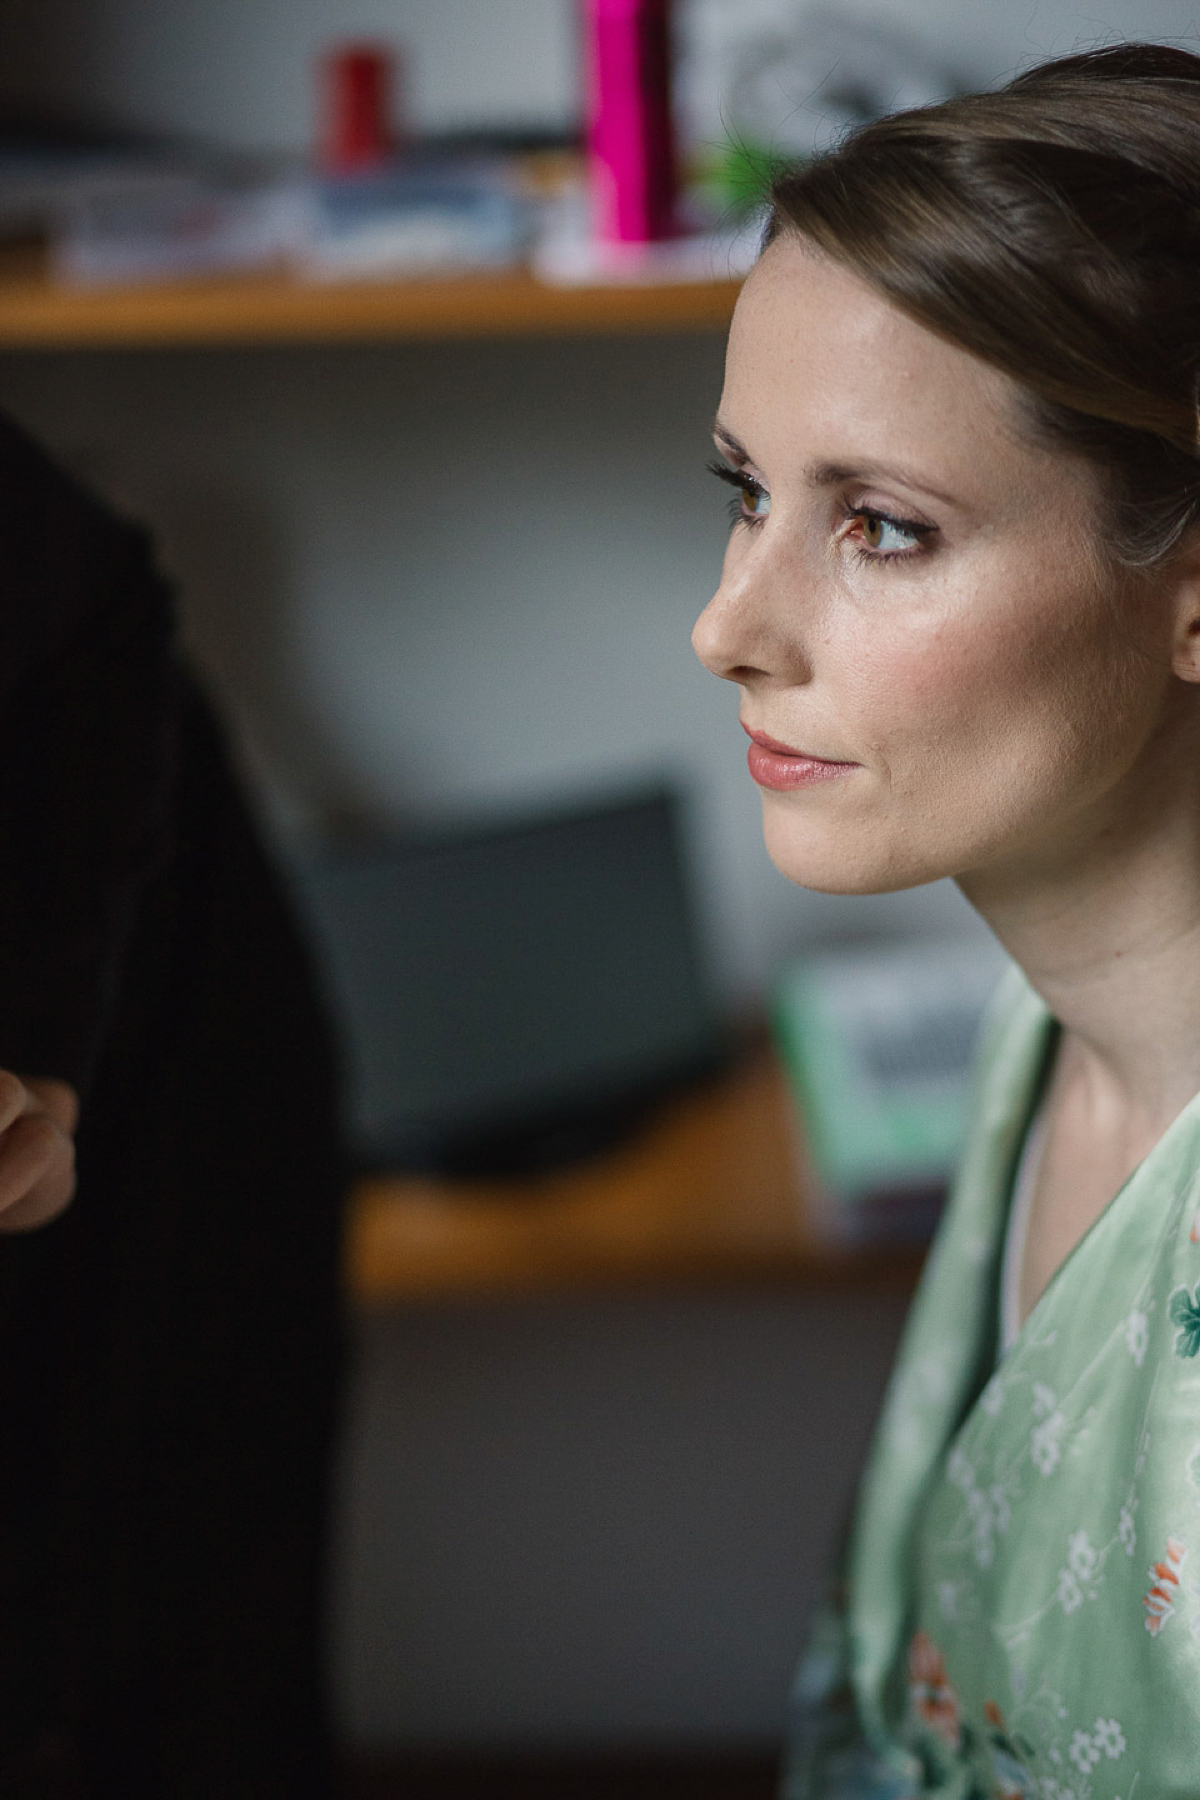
<point>835,474</point>
<point>731,443</point>
<point>830,474</point>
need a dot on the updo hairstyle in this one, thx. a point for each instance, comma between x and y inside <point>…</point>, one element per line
<point>1052,229</point>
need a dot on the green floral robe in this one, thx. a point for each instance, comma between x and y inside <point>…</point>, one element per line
<point>1020,1617</point>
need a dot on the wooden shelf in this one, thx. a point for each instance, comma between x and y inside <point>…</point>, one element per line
<point>708,1192</point>
<point>35,313</point>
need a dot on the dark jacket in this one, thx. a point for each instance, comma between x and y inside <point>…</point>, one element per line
<point>169,1347</point>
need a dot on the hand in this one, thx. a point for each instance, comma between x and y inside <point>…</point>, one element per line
<point>37,1150</point>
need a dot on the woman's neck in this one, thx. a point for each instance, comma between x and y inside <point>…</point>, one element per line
<point>1106,925</point>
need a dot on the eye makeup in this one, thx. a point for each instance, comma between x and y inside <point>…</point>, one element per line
<point>879,530</point>
<point>753,503</point>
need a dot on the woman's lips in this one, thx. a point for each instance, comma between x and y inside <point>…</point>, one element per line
<point>776,765</point>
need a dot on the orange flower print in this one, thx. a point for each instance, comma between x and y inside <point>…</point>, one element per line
<point>933,1698</point>
<point>1164,1579</point>
<point>994,1716</point>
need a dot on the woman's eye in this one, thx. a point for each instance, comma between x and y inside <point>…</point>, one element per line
<point>884,536</point>
<point>756,502</point>
<point>751,503</point>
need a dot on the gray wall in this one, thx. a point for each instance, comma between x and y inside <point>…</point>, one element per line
<point>597,1522</point>
<point>241,69</point>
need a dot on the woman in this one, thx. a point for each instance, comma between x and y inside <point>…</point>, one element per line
<point>170,1344</point>
<point>962,603</point>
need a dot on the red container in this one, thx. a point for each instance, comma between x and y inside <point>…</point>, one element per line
<point>358,86</point>
<point>631,139</point>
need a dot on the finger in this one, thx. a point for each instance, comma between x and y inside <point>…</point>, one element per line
<point>58,1098</point>
<point>37,1172</point>
<point>15,1098</point>
<point>40,1206</point>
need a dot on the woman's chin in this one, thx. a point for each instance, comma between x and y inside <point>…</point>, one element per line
<point>834,863</point>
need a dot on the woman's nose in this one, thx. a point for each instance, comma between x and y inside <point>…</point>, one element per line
<point>716,641</point>
<point>738,637</point>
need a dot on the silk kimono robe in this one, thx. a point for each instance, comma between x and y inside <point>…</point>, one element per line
<point>1020,1611</point>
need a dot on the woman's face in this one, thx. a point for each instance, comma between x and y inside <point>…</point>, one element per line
<point>937,673</point>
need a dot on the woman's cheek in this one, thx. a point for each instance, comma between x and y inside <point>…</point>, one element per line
<point>901,688</point>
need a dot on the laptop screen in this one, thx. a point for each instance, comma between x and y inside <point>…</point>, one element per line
<point>494,984</point>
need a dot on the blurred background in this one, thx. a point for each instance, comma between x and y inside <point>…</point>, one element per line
<point>441,577</point>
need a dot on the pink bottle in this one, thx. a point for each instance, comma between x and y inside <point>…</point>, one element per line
<point>630,139</point>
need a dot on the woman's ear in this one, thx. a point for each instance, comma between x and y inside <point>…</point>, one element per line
<point>1185,658</point>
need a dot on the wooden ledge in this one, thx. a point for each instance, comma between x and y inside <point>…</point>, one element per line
<point>36,313</point>
<point>708,1193</point>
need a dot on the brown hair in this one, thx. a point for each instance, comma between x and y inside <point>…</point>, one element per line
<point>1053,229</point>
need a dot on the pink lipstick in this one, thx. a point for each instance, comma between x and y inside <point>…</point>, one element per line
<point>778,766</point>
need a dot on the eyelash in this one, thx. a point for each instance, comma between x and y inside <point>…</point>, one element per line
<point>748,484</point>
<point>745,484</point>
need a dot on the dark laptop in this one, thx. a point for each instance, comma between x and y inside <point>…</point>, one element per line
<point>513,995</point>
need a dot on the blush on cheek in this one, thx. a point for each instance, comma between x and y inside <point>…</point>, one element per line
<point>952,669</point>
<point>977,675</point>
<point>918,701</point>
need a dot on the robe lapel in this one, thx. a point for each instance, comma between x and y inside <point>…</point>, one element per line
<point>945,1357</point>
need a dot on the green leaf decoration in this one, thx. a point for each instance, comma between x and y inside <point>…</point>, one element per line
<point>1183,1310</point>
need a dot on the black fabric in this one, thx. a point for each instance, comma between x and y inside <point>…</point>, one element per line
<point>170,1347</point>
<point>89,714</point>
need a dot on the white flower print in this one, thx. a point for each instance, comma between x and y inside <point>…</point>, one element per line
<point>992,1397</point>
<point>1158,1611</point>
<point>959,1470</point>
<point>1083,1751</point>
<point>1070,1598</point>
<point>1081,1555</point>
<point>1137,1335</point>
<point>1108,1737</point>
<point>1001,1510</point>
<point>1044,1446</point>
<point>1054,1790</point>
<point>1127,1531</point>
<point>983,1544</point>
<point>1044,1401</point>
<point>947,1593</point>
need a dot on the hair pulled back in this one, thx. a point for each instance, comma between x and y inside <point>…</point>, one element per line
<point>1053,229</point>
